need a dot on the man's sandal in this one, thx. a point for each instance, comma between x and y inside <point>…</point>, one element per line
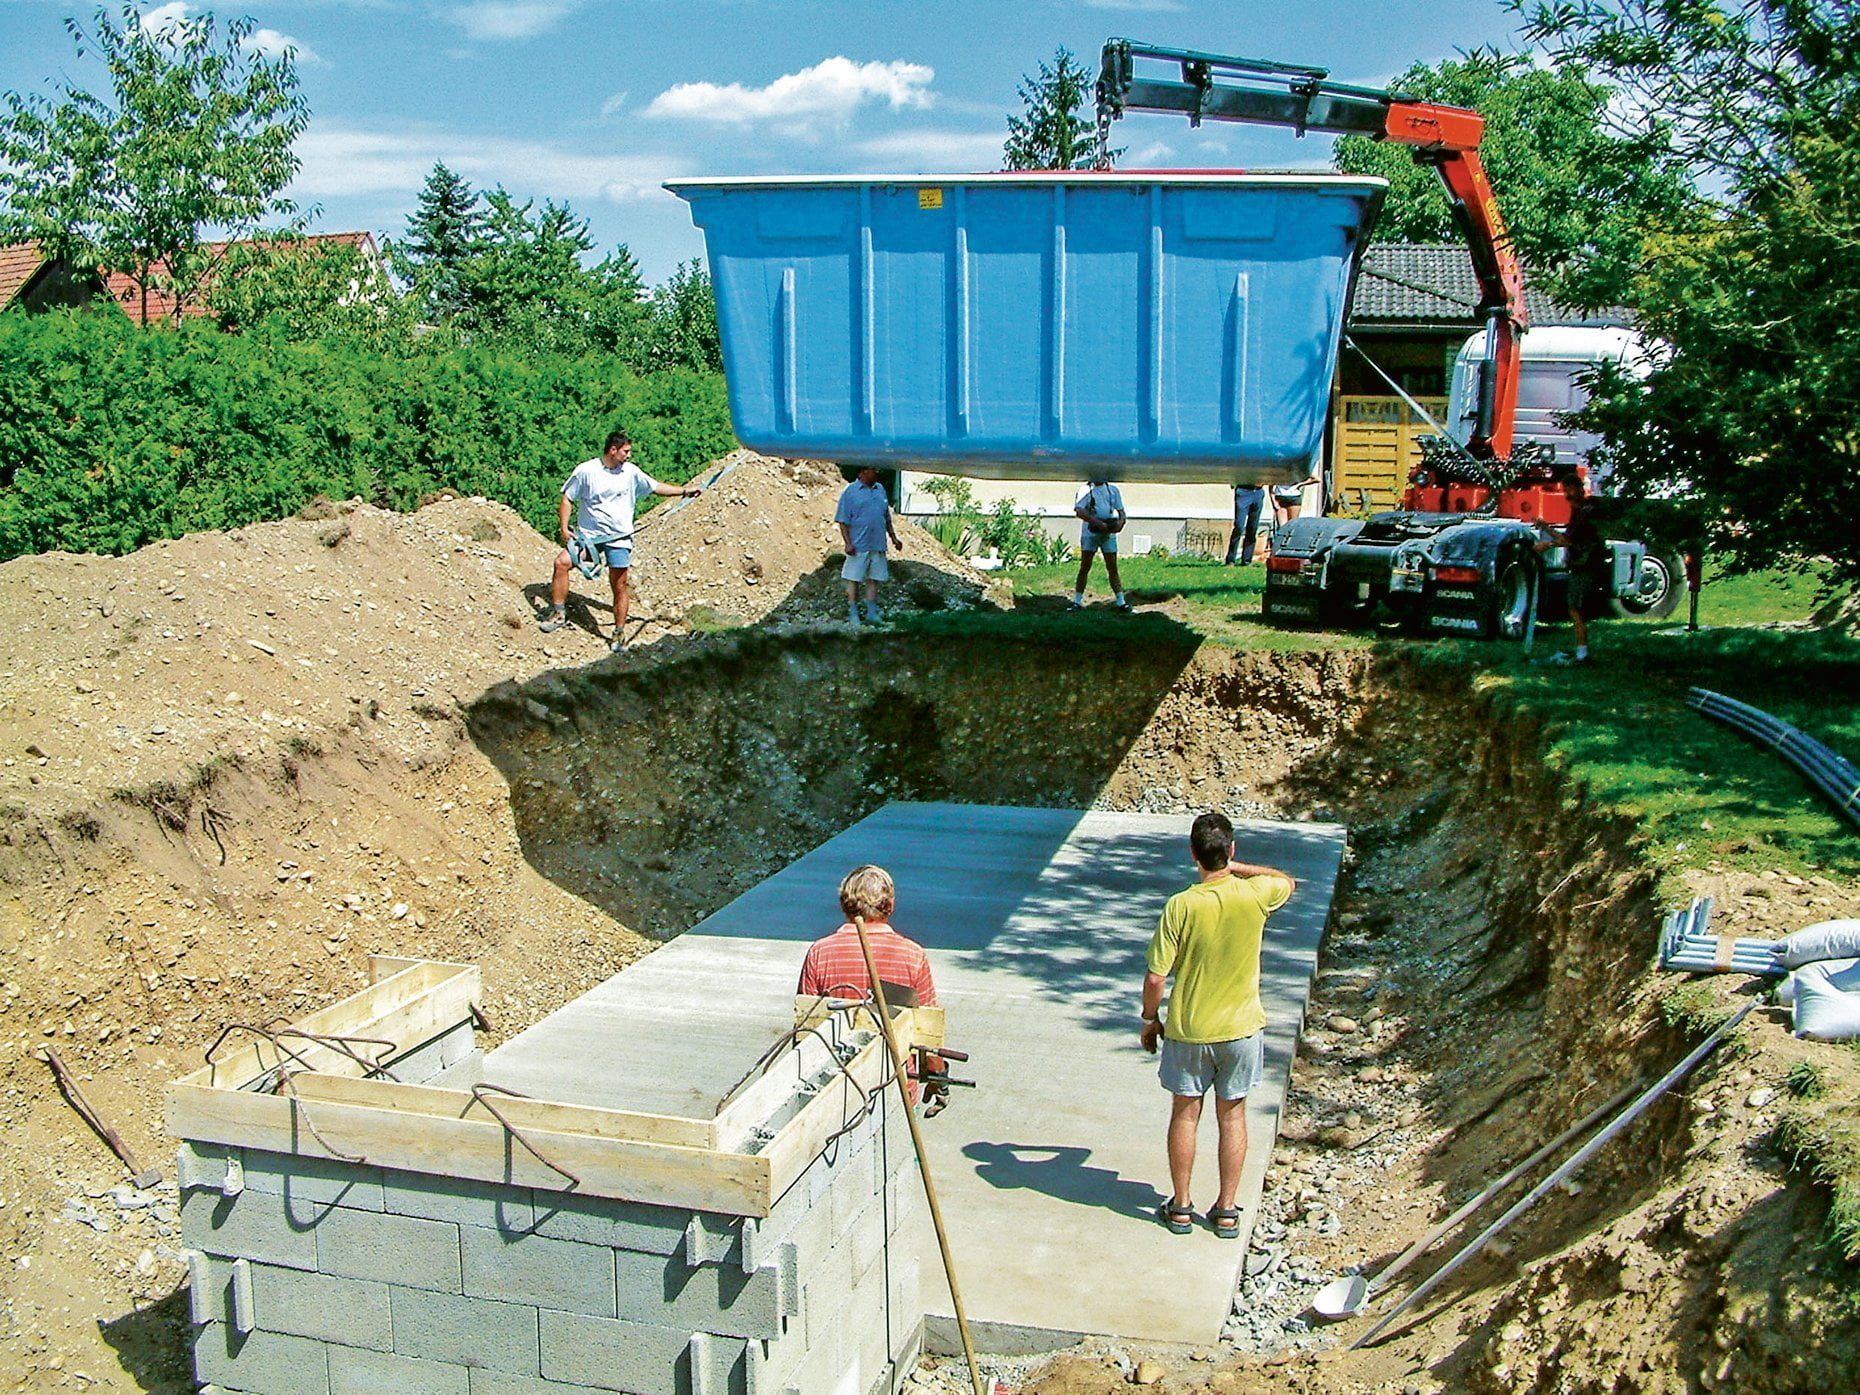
<point>1179,1219</point>
<point>1224,1221</point>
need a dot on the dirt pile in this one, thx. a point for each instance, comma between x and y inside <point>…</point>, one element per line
<point>761,545</point>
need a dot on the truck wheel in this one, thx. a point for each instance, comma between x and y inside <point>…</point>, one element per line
<point>1662,580</point>
<point>1507,604</point>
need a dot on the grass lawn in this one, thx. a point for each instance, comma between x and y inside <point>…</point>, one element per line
<point>1618,725</point>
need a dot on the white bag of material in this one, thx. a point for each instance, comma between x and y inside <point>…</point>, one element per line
<point>1823,1011</point>
<point>1827,939</point>
<point>1843,974</point>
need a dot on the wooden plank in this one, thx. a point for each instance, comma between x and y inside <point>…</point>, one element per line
<point>382,966</point>
<point>526,1114</point>
<point>426,997</point>
<point>649,1173</point>
<point>755,1101</point>
<point>926,1023</point>
<point>801,1139</point>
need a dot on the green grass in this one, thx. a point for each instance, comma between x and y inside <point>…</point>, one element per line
<point>1619,727</point>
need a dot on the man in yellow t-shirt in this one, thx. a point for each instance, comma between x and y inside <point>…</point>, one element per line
<point>1209,940</point>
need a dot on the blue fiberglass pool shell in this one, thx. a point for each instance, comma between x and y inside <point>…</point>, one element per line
<point>1144,326</point>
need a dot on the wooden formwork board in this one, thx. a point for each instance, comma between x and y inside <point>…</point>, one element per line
<point>724,1164</point>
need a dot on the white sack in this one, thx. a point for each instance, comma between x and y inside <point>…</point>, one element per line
<point>1843,974</point>
<point>1827,939</point>
<point>1823,1011</point>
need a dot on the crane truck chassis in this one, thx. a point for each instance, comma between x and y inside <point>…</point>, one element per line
<point>1461,555</point>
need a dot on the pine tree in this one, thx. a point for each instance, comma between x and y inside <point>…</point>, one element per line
<point>1058,129</point>
<point>443,233</point>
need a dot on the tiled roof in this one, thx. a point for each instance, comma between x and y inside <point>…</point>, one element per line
<point>19,263</point>
<point>1403,283</point>
<point>161,305</point>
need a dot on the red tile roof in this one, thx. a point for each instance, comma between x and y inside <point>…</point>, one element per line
<point>19,263</point>
<point>128,294</point>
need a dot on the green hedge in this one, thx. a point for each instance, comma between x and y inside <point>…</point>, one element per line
<point>112,436</point>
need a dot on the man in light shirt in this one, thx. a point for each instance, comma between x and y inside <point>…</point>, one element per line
<point>1100,510</point>
<point>864,516</point>
<point>603,491</point>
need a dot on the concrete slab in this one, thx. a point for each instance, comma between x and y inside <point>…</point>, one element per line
<point>1037,920</point>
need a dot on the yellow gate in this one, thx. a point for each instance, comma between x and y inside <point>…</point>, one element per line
<point>1377,444</point>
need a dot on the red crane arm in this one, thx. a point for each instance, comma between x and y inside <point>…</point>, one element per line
<point>1217,87</point>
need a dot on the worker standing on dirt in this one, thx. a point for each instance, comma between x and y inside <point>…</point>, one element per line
<point>1100,510</point>
<point>1588,564</point>
<point>603,490</point>
<point>1209,941</point>
<point>864,516</point>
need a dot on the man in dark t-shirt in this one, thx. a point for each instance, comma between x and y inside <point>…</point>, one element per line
<point>1588,562</point>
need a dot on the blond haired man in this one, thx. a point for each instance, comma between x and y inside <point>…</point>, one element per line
<point>835,965</point>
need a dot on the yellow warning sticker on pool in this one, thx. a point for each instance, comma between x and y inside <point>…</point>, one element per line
<point>929,198</point>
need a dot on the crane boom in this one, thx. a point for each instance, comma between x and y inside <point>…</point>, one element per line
<point>1219,88</point>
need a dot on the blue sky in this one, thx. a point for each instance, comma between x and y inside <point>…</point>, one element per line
<point>597,102</point>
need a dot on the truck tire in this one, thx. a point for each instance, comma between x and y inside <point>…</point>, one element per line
<point>1504,608</point>
<point>1662,582</point>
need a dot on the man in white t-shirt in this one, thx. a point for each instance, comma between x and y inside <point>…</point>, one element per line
<point>603,491</point>
<point>1100,508</point>
<point>864,517</point>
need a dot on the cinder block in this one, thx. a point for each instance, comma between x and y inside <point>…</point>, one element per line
<point>427,1060</point>
<point>460,1200</point>
<point>461,1075</point>
<point>353,1372</point>
<point>485,1382</point>
<point>311,1184</point>
<point>467,1331</point>
<point>534,1269</point>
<point>392,1249</point>
<point>199,1165</point>
<point>620,1225</point>
<point>639,1358</point>
<point>253,1225</point>
<point>261,1361</point>
<point>712,1238</point>
<point>720,1299</point>
<point>352,1312</point>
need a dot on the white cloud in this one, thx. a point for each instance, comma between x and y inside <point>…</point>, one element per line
<point>349,161</point>
<point>165,17</point>
<point>613,104</point>
<point>1146,6</point>
<point>507,19</point>
<point>271,44</point>
<point>265,43</point>
<point>800,103</point>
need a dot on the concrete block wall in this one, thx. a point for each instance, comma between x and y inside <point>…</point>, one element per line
<point>314,1277</point>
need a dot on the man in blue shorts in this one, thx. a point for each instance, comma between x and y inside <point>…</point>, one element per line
<point>603,491</point>
<point>1209,940</point>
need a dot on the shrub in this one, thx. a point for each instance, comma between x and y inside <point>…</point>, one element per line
<point>113,436</point>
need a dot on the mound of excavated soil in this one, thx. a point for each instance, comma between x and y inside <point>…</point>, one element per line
<point>761,544</point>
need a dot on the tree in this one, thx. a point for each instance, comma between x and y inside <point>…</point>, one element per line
<point>310,288</point>
<point>1575,196</point>
<point>524,282</point>
<point>441,234</point>
<point>1756,409</point>
<point>683,332</point>
<point>1054,132</point>
<point>197,132</point>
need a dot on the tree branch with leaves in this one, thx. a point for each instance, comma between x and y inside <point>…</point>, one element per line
<point>194,134</point>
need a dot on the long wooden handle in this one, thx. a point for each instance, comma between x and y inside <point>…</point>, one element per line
<point>68,1083</point>
<point>917,1142</point>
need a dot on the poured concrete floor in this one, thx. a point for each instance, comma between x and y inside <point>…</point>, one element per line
<point>1037,920</point>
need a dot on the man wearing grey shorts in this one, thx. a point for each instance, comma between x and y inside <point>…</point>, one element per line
<point>1208,941</point>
